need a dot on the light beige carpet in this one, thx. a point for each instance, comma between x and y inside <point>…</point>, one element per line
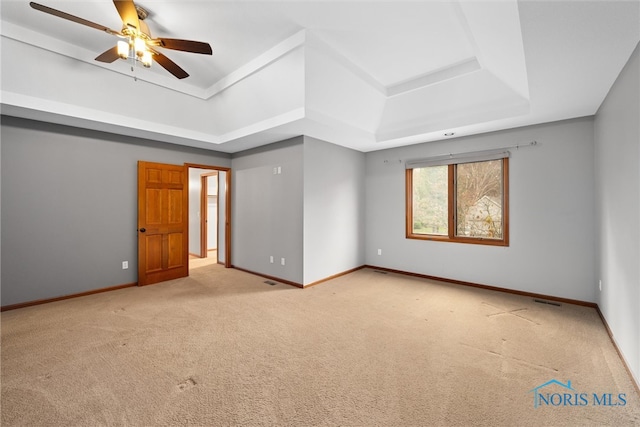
<point>223,348</point>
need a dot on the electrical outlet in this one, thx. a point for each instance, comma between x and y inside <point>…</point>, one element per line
<point>379,251</point>
<point>125,265</point>
<point>282,261</point>
<point>600,284</point>
<point>279,170</point>
<point>271,259</point>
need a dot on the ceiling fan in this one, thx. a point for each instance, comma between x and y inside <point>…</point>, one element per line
<point>137,43</point>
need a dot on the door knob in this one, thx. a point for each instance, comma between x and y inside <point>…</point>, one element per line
<point>142,230</point>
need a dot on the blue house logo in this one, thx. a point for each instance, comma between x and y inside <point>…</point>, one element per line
<point>556,393</point>
<point>553,399</point>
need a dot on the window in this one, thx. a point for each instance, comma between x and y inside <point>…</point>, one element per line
<point>459,201</point>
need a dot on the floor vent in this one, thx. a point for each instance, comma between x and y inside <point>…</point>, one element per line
<point>379,272</point>
<point>541,301</point>
<point>270,283</point>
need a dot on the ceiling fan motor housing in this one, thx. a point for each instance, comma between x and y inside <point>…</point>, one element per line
<point>142,12</point>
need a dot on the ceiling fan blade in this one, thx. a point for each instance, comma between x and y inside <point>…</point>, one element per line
<point>72,18</point>
<point>184,45</point>
<point>109,55</point>
<point>169,65</point>
<point>128,13</point>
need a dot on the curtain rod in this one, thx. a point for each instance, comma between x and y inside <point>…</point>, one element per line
<point>491,150</point>
<point>464,157</point>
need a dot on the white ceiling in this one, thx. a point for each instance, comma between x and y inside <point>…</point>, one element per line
<point>368,75</point>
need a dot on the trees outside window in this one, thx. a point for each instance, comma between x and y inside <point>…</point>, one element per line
<point>459,202</point>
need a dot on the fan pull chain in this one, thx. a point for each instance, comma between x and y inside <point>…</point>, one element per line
<point>133,68</point>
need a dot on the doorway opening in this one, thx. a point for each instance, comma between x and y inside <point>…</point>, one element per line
<point>209,212</point>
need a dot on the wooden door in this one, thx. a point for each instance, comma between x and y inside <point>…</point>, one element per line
<point>163,223</point>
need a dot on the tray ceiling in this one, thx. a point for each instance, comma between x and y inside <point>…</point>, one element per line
<point>367,75</point>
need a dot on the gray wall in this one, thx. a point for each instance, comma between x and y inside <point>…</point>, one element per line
<point>267,210</point>
<point>552,239</point>
<point>69,206</point>
<point>617,135</point>
<point>333,209</point>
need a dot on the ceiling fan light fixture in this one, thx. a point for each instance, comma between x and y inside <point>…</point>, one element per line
<point>123,49</point>
<point>146,59</point>
<point>140,46</point>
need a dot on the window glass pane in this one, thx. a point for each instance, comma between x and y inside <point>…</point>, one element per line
<point>430,200</point>
<point>479,199</point>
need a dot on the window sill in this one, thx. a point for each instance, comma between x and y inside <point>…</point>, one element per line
<point>467,240</point>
